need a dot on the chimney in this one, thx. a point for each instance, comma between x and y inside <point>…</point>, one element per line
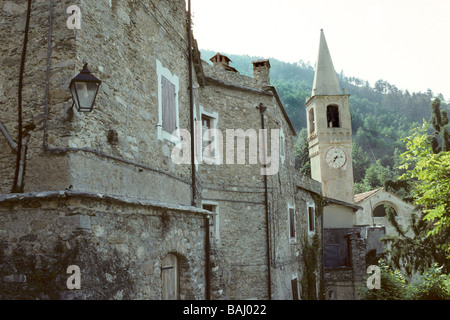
<point>220,60</point>
<point>261,71</point>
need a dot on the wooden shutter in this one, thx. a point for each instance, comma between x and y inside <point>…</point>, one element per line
<point>294,284</point>
<point>292,222</point>
<point>168,105</point>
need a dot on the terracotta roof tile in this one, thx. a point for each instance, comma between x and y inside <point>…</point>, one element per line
<point>362,196</point>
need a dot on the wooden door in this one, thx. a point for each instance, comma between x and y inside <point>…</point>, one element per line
<point>170,278</point>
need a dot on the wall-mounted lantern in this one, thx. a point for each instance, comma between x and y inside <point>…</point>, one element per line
<point>84,88</point>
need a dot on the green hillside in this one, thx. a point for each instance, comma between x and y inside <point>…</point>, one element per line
<point>382,115</point>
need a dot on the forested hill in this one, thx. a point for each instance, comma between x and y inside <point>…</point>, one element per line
<point>381,114</point>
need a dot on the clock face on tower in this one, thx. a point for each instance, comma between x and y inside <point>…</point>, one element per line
<point>336,158</point>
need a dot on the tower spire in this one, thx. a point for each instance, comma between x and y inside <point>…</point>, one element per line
<point>325,79</point>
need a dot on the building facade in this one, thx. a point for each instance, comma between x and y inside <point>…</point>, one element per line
<point>128,193</point>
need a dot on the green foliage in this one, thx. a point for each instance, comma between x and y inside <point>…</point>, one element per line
<point>375,176</point>
<point>393,286</point>
<point>426,183</point>
<point>433,285</point>
<point>439,120</point>
<point>431,175</point>
<point>360,163</point>
<point>309,279</point>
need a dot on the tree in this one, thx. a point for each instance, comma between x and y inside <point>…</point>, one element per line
<point>374,178</point>
<point>393,286</point>
<point>426,183</point>
<point>439,120</point>
<point>432,285</point>
<point>360,162</point>
<point>430,176</point>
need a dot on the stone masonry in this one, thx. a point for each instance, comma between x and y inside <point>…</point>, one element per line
<point>102,191</point>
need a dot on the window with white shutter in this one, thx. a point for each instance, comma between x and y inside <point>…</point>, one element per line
<point>169,121</point>
<point>168,112</point>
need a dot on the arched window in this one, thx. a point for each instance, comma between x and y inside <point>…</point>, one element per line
<point>333,116</point>
<point>381,210</point>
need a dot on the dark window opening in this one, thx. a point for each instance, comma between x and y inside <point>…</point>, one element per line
<point>292,222</point>
<point>333,116</point>
<point>294,285</point>
<point>382,210</point>
<point>311,216</point>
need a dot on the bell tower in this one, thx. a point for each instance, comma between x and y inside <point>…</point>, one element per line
<point>330,130</point>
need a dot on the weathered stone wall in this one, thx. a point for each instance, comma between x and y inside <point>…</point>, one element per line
<point>241,267</point>
<point>13,16</point>
<point>118,245</point>
<point>122,42</point>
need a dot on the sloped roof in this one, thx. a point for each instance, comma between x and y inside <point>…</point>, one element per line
<point>363,196</point>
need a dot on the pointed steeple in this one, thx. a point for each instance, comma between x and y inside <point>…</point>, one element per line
<point>325,79</point>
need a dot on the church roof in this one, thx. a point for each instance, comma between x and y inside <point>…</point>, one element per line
<point>363,196</point>
<point>325,79</point>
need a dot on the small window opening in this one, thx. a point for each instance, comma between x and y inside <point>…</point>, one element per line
<point>333,116</point>
<point>311,218</point>
<point>382,210</point>
<point>312,123</point>
<point>213,222</point>
<point>292,223</point>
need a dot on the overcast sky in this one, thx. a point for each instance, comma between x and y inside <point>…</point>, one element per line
<point>405,42</point>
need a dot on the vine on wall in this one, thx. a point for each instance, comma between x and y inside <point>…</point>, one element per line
<point>311,259</point>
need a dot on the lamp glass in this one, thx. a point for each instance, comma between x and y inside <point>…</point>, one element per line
<point>84,94</point>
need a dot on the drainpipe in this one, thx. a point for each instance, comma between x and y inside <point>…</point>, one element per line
<point>191,105</point>
<point>262,110</point>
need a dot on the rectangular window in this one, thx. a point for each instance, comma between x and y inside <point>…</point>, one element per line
<point>210,144</point>
<point>295,293</point>
<point>214,222</point>
<point>333,116</point>
<point>311,219</point>
<point>206,125</point>
<point>292,229</point>
<point>168,112</point>
<point>169,122</point>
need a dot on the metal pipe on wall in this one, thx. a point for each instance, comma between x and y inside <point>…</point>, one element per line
<point>262,110</point>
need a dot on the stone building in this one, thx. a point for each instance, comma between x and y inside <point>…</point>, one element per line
<point>106,190</point>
